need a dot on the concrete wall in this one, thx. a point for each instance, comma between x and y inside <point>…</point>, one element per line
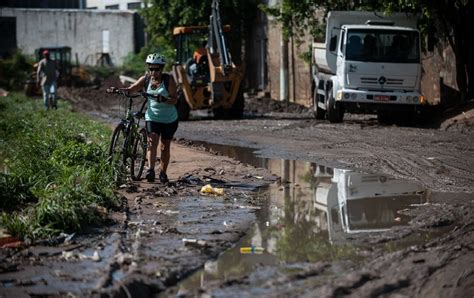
<point>82,30</point>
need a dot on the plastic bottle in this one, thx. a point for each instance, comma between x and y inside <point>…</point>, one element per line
<point>252,250</point>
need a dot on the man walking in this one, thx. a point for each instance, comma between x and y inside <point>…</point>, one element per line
<point>47,76</point>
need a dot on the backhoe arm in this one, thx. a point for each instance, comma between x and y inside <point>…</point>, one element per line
<point>217,39</point>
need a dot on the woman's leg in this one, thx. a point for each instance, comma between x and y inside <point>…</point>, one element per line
<point>165,154</point>
<point>165,148</point>
<point>153,139</point>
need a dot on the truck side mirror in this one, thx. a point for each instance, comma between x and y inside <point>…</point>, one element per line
<point>333,43</point>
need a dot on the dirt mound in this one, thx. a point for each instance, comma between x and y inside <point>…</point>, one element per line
<point>265,105</point>
<point>91,98</point>
<point>459,119</point>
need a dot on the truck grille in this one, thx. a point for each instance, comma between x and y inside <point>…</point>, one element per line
<point>368,80</point>
<point>374,81</point>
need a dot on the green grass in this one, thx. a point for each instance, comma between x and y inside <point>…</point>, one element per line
<point>57,178</point>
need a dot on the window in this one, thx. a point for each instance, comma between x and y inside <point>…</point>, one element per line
<point>134,5</point>
<point>393,46</point>
<point>342,40</point>
<point>116,6</point>
<point>333,40</point>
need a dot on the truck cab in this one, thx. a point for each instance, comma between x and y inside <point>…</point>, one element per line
<point>367,65</point>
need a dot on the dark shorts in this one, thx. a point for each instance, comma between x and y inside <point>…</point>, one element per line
<point>166,130</point>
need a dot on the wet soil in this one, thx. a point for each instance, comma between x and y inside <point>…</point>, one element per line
<point>160,234</point>
<point>143,253</point>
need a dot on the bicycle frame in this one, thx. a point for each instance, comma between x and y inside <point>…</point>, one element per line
<point>131,154</point>
<point>131,125</point>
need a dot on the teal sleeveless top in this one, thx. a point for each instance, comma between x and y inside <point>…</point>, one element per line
<point>159,111</point>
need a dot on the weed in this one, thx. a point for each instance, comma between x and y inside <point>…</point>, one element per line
<point>58,178</point>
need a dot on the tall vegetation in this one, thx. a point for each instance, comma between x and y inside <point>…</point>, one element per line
<point>56,176</point>
<point>162,16</point>
<point>15,70</point>
<point>451,21</point>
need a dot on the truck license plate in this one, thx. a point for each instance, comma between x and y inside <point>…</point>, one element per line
<point>381,97</point>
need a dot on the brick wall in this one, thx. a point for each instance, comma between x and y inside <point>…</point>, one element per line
<point>299,80</point>
<point>439,66</point>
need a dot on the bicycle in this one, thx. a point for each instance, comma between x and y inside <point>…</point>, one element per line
<point>129,142</point>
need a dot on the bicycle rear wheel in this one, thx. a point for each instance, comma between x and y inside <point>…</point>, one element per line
<point>117,148</point>
<point>138,158</point>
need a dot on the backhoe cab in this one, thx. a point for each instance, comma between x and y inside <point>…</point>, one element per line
<point>206,75</point>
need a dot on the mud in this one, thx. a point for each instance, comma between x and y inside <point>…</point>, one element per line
<point>142,253</point>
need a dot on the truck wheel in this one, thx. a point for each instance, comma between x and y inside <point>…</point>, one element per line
<point>182,107</point>
<point>319,113</point>
<point>334,112</point>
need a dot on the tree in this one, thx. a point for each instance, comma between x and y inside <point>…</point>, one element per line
<point>163,15</point>
<point>298,17</point>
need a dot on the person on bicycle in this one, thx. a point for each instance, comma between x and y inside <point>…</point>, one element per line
<point>46,76</point>
<point>161,116</point>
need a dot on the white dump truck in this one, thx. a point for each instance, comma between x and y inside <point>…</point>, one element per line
<point>369,63</point>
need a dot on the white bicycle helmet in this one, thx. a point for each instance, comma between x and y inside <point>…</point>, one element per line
<point>155,58</point>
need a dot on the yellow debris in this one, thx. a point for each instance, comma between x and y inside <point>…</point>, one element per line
<point>208,189</point>
<point>251,250</point>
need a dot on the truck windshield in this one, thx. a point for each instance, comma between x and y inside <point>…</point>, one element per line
<point>371,45</point>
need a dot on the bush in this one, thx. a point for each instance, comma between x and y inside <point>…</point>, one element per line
<point>15,70</point>
<point>58,176</point>
<point>134,65</point>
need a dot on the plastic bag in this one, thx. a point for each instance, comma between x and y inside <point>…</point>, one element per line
<point>208,189</point>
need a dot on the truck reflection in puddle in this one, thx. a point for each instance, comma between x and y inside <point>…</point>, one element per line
<point>311,216</point>
<point>356,202</point>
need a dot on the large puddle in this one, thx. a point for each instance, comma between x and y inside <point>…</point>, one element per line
<point>312,215</point>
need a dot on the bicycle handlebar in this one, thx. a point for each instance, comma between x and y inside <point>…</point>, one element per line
<point>124,93</point>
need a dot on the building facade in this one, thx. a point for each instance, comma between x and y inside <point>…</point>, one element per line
<point>115,4</point>
<point>91,34</point>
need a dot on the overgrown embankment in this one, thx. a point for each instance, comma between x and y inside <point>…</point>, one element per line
<point>56,176</point>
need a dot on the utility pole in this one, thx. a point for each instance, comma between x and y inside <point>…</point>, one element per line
<point>284,94</point>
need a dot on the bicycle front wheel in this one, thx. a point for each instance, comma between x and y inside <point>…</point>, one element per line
<point>138,158</point>
<point>117,147</point>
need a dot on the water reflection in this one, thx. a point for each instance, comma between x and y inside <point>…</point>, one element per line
<point>357,202</point>
<point>311,216</point>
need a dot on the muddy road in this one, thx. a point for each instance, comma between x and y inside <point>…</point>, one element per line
<point>162,236</point>
<point>439,159</point>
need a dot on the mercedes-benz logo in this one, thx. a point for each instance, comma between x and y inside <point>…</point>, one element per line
<point>382,80</point>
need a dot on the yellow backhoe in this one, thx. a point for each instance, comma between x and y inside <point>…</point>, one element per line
<point>206,75</point>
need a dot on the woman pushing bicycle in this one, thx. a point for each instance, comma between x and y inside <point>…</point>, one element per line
<point>161,116</point>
